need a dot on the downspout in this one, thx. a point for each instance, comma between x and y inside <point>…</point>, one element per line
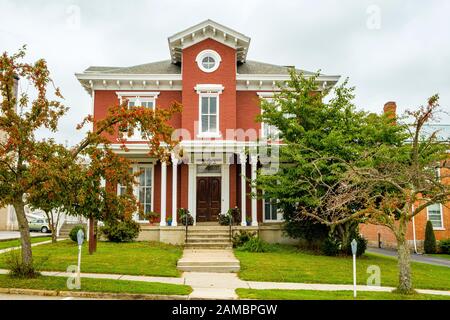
<point>414,232</point>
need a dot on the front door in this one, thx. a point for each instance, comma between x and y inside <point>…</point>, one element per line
<point>209,196</point>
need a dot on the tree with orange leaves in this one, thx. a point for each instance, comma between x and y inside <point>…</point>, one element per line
<point>25,161</point>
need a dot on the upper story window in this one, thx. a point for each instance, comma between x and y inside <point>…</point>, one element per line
<point>138,99</point>
<point>208,60</point>
<point>209,115</point>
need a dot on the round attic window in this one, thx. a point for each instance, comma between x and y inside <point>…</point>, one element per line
<point>208,61</point>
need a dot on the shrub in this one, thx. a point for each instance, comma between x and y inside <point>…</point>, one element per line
<point>73,233</point>
<point>361,248</point>
<point>184,214</point>
<point>255,244</point>
<point>242,237</point>
<point>330,247</point>
<point>17,269</point>
<point>444,246</point>
<point>224,219</point>
<point>121,231</point>
<point>429,244</point>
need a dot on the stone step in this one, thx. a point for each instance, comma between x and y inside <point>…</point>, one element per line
<point>200,239</point>
<point>207,263</point>
<point>208,245</point>
<point>209,235</point>
<point>209,231</point>
<point>215,269</point>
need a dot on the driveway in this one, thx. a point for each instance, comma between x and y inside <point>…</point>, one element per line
<point>414,257</point>
<point>10,235</point>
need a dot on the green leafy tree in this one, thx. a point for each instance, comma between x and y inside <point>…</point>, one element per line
<point>321,132</point>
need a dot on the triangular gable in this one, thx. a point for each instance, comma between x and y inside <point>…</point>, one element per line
<point>208,30</point>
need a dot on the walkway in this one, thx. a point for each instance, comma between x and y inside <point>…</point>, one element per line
<point>414,257</point>
<point>12,235</point>
<point>223,285</point>
<point>33,245</point>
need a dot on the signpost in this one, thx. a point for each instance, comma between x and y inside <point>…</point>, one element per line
<point>80,240</point>
<point>354,250</point>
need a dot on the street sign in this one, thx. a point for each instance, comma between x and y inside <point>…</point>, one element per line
<point>354,247</point>
<point>80,237</point>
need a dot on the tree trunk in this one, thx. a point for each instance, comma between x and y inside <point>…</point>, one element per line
<point>91,235</point>
<point>27,255</point>
<point>95,235</point>
<point>52,225</point>
<point>404,260</point>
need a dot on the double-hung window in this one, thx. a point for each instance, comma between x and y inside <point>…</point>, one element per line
<point>145,191</point>
<point>209,115</point>
<point>138,99</point>
<point>435,215</point>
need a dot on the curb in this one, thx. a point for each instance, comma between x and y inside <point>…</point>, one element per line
<point>92,295</point>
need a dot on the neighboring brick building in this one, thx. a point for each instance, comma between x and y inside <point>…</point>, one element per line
<point>220,90</point>
<point>439,215</point>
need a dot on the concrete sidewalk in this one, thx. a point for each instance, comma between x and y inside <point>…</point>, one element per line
<point>414,257</point>
<point>13,235</point>
<point>223,285</point>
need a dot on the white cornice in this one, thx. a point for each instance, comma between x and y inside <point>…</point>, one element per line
<point>131,77</point>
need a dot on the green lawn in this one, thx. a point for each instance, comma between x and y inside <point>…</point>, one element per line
<point>16,243</point>
<point>287,264</point>
<point>96,285</point>
<point>330,295</point>
<point>137,258</point>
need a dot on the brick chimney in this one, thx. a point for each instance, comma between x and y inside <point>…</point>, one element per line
<point>390,108</point>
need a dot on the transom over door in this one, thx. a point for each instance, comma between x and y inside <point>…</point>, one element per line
<point>209,195</point>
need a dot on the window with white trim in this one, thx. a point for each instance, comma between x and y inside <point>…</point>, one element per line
<point>209,114</point>
<point>121,189</point>
<point>145,190</point>
<point>208,61</point>
<point>139,99</point>
<point>271,211</point>
<point>435,215</point>
<point>209,111</point>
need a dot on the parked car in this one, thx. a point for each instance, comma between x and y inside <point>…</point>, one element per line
<point>41,225</point>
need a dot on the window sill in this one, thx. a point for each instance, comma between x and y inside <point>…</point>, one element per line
<point>439,229</point>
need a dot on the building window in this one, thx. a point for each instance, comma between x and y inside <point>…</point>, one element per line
<point>138,99</point>
<point>435,215</point>
<point>208,61</point>
<point>145,191</point>
<point>208,119</point>
<point>271,212</point>
<point>209,110</point>
<point>121,189</point>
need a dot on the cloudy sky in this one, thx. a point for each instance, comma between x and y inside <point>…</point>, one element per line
<point>390,50</point>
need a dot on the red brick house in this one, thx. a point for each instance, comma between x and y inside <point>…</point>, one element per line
<point>220,89</point>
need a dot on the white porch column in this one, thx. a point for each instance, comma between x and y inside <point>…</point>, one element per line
<point>192,191</point>
<point>163,194</point>
<point>243,160</point>
<point>254,163</point>
<point>225,188</point>
<point>174,190</point>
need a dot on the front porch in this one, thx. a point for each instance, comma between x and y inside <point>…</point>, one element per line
<point>207,179</point>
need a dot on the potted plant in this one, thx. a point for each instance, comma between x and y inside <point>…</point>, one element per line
<point>152,217</point>
<point>169,222</point>
<point>185,216</point>
<point>249,221</point>
<point>224,219</point>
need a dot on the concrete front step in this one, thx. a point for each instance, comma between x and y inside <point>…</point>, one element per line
<point>207,263</point>
<point>209,236</point>
<point>216,269</point>
<point>208,245</point>
<point>209,239</point>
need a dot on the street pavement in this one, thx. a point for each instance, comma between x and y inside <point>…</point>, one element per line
<point>414,257</point>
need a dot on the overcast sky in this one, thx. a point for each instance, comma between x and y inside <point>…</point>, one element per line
<point>390,50</point>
